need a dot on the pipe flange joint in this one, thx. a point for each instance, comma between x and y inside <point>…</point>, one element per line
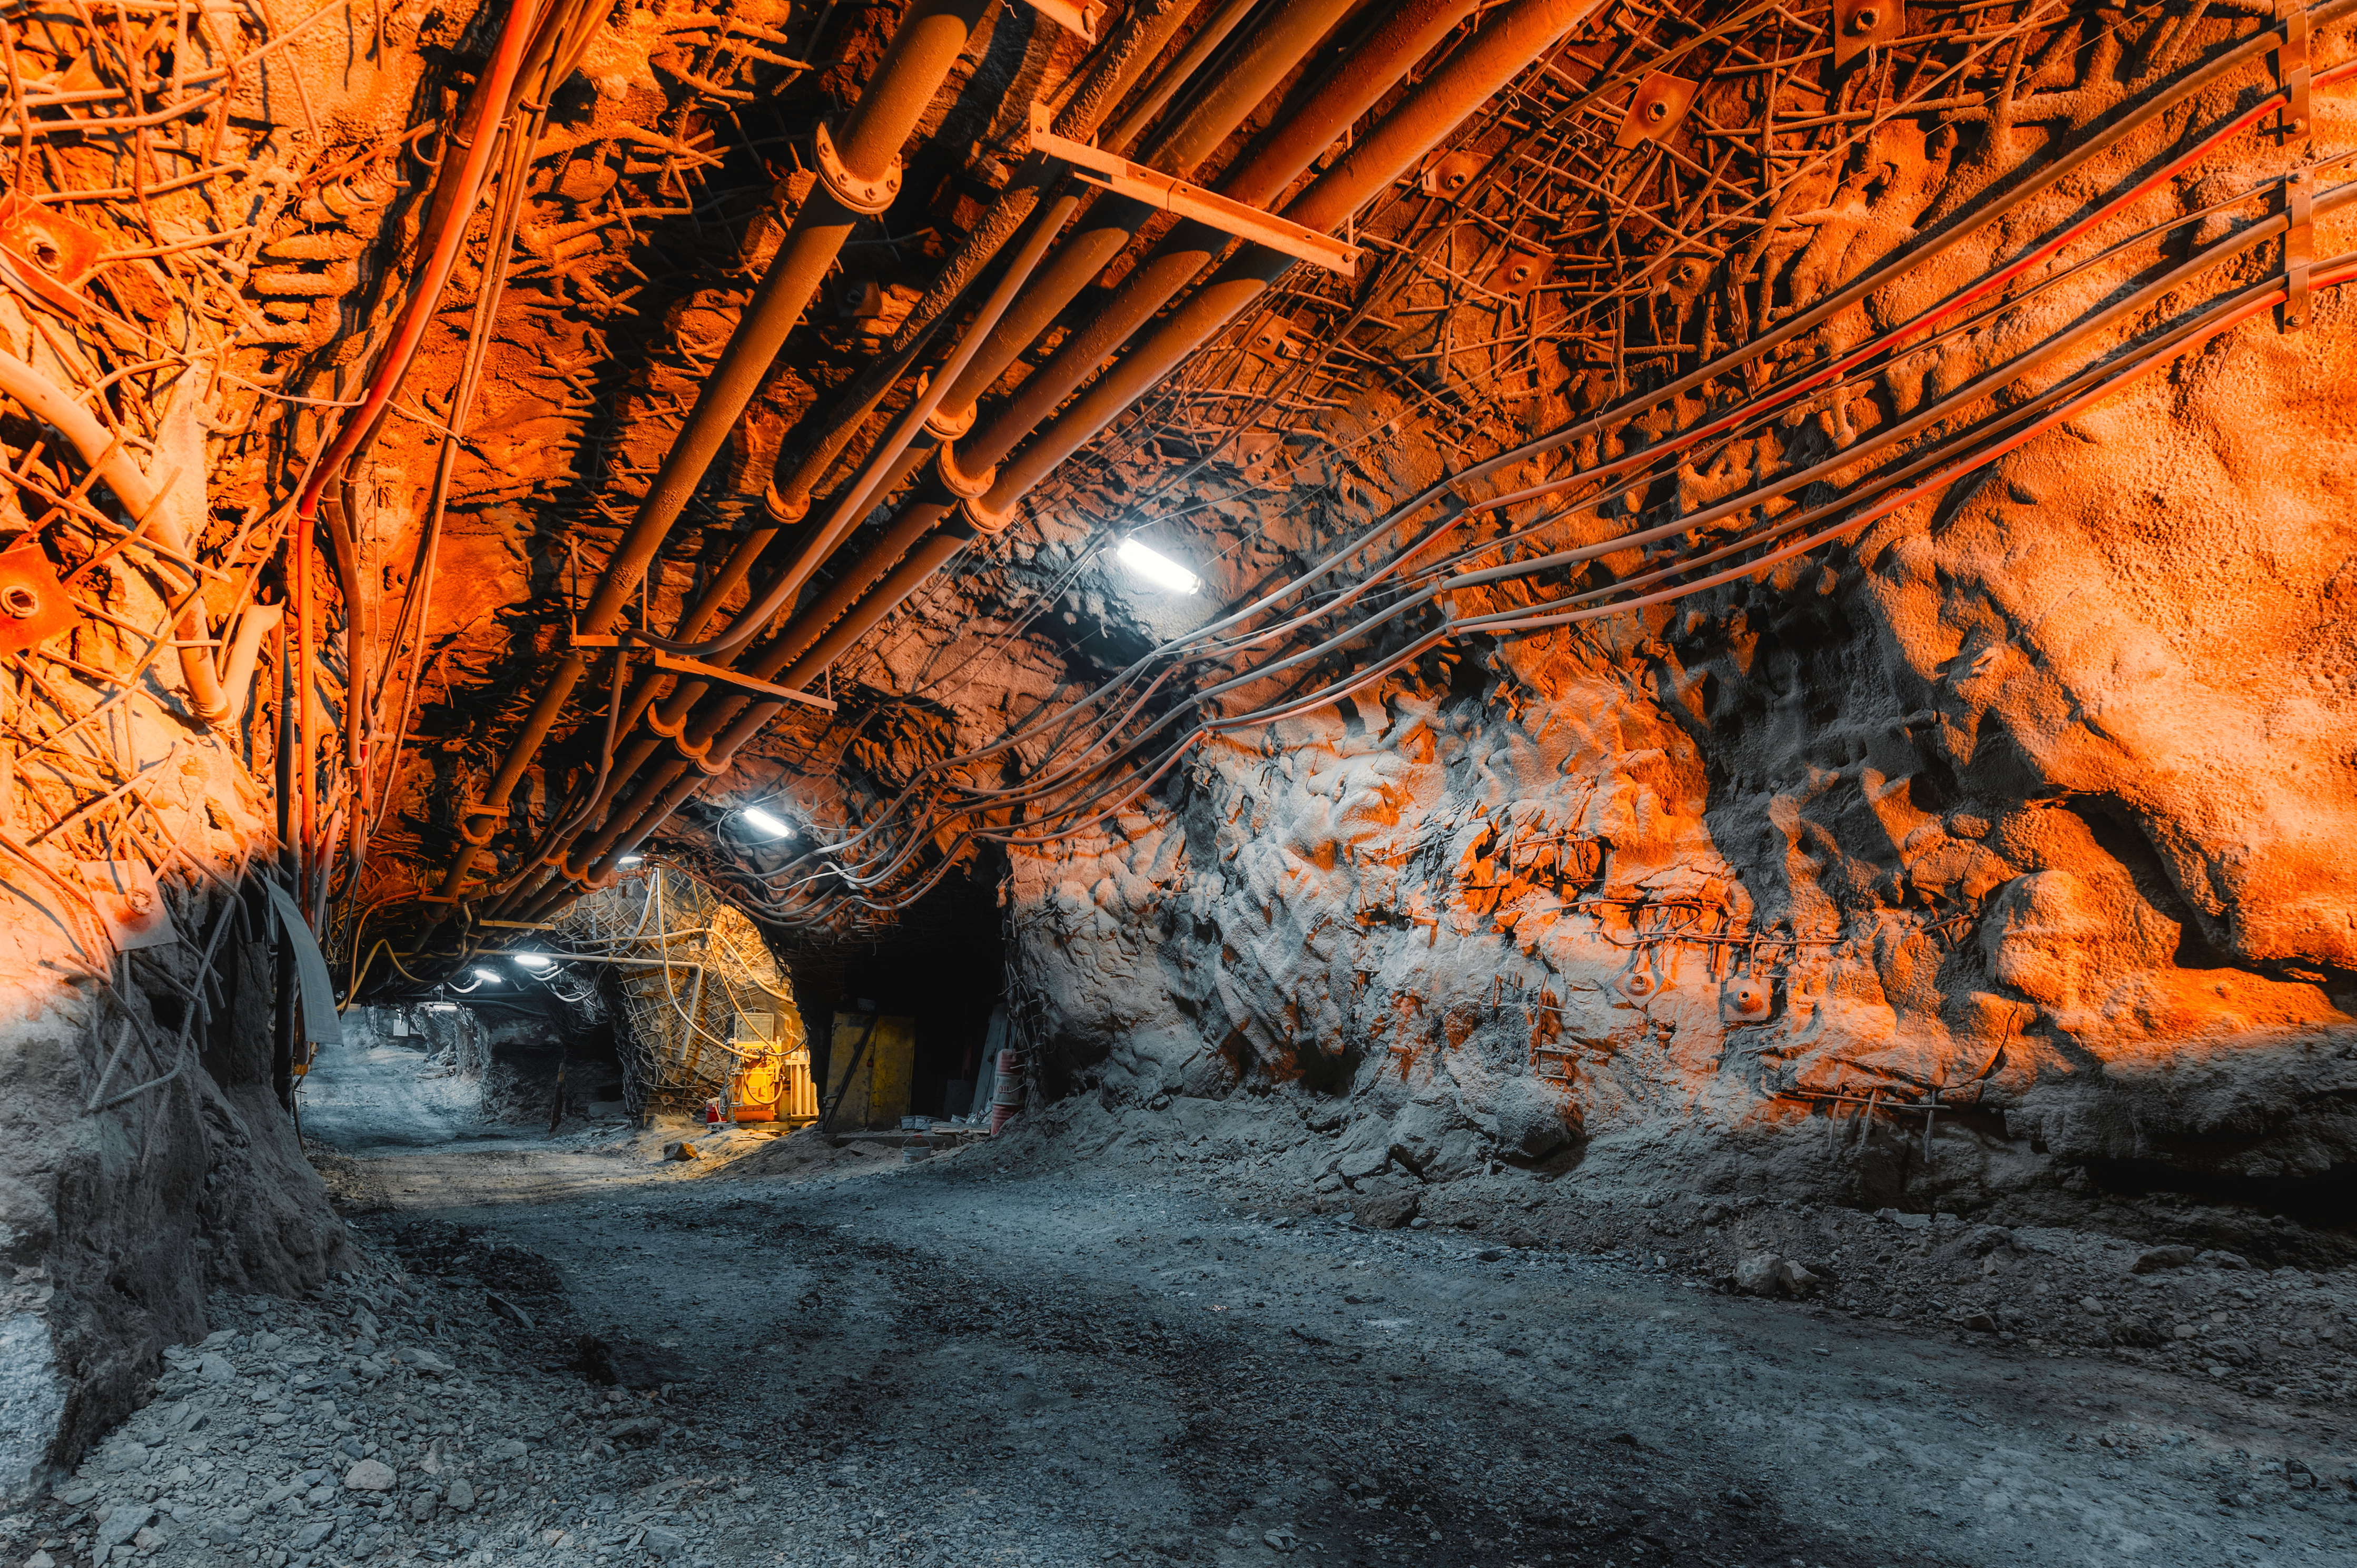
<point>785,508</point>
<point>949,424</point>
<point>982,519</point>
<point>965,487</point>
<point>866,197</point>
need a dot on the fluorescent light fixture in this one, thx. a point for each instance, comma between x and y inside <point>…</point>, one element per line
<point>630,860</point>
<point>539,961</point>
<point>763,822</point>
<point>487,977</point>
<point>1157,568</point>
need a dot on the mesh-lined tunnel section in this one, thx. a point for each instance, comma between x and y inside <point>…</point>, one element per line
<point>696,995</point>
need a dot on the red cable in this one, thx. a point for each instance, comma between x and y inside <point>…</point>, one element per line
<point>507,62</point>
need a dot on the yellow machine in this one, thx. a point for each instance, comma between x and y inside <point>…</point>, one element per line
<point>772,1082</point>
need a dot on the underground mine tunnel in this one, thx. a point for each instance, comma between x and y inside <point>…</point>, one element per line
<point>1446,782</point>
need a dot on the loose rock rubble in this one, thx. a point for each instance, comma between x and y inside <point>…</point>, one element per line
<point>1022,1353</point>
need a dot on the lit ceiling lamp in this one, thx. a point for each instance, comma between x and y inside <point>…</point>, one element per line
<point>487,977</point>
<point>631,860</point>
<point>538,963</point>
<point>762,822</point>
<point>1157,568</point>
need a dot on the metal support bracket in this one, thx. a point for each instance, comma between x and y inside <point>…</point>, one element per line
<point>2291,65</point>
<point>1155,189</point>
<point>1860,24</point>
<point>867,197</point>
<point>1081,18</point>
<point>2300,245</point>
<point>671,661</point>
<point>1659,108</point>
<point>595,639</point>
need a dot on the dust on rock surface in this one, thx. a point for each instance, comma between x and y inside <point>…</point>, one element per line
<point>1034,1351</point>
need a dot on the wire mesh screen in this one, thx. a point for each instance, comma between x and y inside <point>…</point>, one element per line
<point>704,1013</point>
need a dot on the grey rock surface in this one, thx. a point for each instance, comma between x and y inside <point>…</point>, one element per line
<point>1036,1346</point>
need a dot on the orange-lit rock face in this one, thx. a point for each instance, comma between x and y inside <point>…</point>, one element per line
<point>2033,794</point>
<point>2036,798</point>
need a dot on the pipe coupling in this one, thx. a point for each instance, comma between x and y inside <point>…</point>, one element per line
<point>965,487</point>
<point>786,509</point>
<point>949,424</point>
<point>693,751</point>
<point>866,197</point>
<point>981,517</point>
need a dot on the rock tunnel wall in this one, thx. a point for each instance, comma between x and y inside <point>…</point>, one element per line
<point>2027,804</point>
<point>127,1196</point>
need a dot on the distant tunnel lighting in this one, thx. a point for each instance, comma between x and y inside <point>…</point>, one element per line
<point>1157,568</point>
<point>762,822</point>
<point>486,976</point>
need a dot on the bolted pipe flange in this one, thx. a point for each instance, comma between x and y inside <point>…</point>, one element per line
<point>949,424</point>
<point>867,197</point>
<point>965,487</point>
<point>982,519</point>
<point>784,508</point>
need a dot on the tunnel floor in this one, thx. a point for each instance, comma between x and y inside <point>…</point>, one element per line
<point>581,1354</point>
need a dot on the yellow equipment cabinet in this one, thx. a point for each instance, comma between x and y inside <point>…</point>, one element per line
<point>880,1076</point>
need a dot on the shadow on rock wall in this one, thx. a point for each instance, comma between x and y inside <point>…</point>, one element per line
<point>2019,818</point>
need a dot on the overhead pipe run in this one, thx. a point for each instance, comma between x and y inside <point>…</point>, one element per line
<point>1144,30</point>
<point>1115,69</point>
<point>1267,58</point>
<point>991,342</point>
<point>860,176</point>
<point>2092,384</point>
<point>1273,162</point>
<point>1388,54</point>
<point>1487,60</point>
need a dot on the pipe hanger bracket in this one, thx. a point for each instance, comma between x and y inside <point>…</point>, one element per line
<point>1861,25</point>
<point>1082,18</point>
<point>733,678</point>
<point>2292,66</point>
<point>1151,186</point>
<point>2300,245</point>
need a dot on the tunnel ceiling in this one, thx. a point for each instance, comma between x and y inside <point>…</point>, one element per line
<point>614,417</point>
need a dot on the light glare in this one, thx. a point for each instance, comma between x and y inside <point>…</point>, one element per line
<point>1157,568</point>
<point>486,976</point>
<point>763,822</point>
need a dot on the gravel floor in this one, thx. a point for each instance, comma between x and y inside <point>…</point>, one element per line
<point>575,1353</point>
